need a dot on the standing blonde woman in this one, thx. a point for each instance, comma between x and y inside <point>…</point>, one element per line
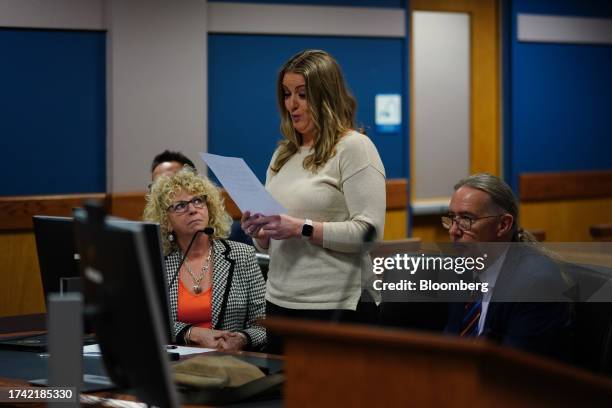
<point>332,182</point>
<point>219,292</point>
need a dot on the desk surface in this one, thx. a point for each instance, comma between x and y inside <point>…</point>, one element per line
<point>18,367</point>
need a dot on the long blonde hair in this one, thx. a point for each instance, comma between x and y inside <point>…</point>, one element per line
<point>165,188</point>
<point>330,105</point>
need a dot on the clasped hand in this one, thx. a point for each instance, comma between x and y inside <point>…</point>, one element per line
<point>217,339</point>
<point>279,226</point>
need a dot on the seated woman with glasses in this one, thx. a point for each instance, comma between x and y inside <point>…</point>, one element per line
<point>218,294</point>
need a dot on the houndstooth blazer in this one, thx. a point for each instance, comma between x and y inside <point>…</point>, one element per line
<point>238,291</point>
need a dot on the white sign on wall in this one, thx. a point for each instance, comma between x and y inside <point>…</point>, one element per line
<point>388,113</point>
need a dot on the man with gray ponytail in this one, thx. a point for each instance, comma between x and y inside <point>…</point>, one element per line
<point>524,308</point>
<point>493,196</point>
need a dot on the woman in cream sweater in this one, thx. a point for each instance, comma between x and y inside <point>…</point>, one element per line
<point>331,180</point>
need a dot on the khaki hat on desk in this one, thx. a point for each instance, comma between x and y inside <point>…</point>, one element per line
<point>223,379</point>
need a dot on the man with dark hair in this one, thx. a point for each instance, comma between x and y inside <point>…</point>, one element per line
<point>169,162</point>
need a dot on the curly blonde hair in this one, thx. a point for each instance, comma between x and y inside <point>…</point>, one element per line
<point>330,105</point>
<point>165,188</point>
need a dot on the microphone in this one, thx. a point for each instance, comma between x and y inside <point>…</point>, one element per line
<point>208,231</point>
<point>367,240</point>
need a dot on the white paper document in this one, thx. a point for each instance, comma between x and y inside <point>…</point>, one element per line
<point>242,185</point>
<point>185,351</point>
<point>93,350</point>
<point>109,402</point>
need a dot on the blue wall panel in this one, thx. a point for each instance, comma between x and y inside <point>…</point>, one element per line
<point>560,98</point>
<point>243,118</point>
<point>53,107</point>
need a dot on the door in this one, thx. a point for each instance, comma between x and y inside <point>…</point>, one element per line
<point>454,130</point>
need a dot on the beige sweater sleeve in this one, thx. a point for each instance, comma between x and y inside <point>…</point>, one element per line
<point>366,200</point>
<point>363,185</point>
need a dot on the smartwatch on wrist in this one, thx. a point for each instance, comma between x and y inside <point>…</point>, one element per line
<point>307,229</point>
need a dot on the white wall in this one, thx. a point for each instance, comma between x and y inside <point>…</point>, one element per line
<point>59,14</point>
<point>564,29</point>
<point>441,90</point>
<point>287,19</point>
<point>156,85</point>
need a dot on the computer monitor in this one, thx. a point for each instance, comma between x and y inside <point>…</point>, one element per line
<point>153,241</point>
<point>59,259</point>
<point>57,256</point>
<point>121,302</point>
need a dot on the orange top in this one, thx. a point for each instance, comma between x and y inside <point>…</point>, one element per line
<point>195,309</point>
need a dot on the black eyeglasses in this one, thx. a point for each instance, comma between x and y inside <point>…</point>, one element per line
<point>464,223</point>
<point>181,206</point>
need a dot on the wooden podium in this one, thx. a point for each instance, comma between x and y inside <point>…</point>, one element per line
<point>340,365</point>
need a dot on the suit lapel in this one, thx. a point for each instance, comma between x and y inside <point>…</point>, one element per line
<point>172,262</point>
<point>222,268</point>
<point>506,281</point>
<point>492,324</point>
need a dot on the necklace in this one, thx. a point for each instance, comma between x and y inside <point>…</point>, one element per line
<point>197,288</point>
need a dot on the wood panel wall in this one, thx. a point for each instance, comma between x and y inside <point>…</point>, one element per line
<point>396,219</point>
<point>16,212</point>
<point>565,204</point>
<point>20,285</point>
<point>429,228</point>
<point>562,206</point>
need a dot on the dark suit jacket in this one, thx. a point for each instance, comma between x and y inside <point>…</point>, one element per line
<point>514,318</point>
<point>238,291</point>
